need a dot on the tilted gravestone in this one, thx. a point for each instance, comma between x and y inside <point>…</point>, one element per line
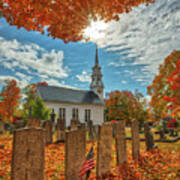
<point>34,122</point>
<point>104,150</point>
<point>75,150</point>
<point>148,137</point>
<point>61,127</point>
<point>120,139</point>
<point>28,154</point>
<point>135,139</point>
<point>48,125</point>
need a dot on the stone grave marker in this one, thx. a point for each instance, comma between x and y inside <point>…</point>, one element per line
<point>28,154</point>
<point>104,150</point>
<point>148,137</point>
<point>34,122</point>
<point>48,125</point>
<point>74,125</point>
<point>120,140</point>
<point>1,126</point>
<point>135,139</point>
<point>61,129</point>
<point>19,123</point>
<point>75,150</point>
<point>96,130</point>
<point>90,130</point>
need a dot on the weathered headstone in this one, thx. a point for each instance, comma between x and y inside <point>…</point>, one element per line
<point>34,122</point>
<point>135,139</point>
<point>90,130</point>
<point>120,138</point>
<point>28,154</point>
<point>61,127</point>
<point>114,129</point>
<point>82,126</point>
<point>75,150</point>
<point>1,126</point>
<point>19,123</point>
<point>48,125</point>
<point>74,125</point>
<point>96,130</point>
<point>148,137</point>
<point>104,150</point>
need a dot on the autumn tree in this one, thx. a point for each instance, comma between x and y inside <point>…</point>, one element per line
<point>64,19</point>
<point>125,105</point>
<point>162,90</point>
<point>10,99</point>
<point>31,100</point>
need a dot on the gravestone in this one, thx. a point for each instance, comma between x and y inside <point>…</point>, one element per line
<point>90,130</point>
<point>1,126</point>
<point>28,154</point>
<point>19,123</point>
<point>48,125</point>
<point>104,150</point>
<point>135,139</point>
<point>74,125</point>
<point>148,137</point>
<point>120,139</point>
<point>75,150</point>
<point>96,130</point>
<point>82,126</point>
<point>61,127</point>
<point>114,129</point>
<point>34,122</point>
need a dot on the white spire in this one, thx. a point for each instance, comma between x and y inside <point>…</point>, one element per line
<point>96,82</point>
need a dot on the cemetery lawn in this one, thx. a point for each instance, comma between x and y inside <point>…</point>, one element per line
<point>160,164</point>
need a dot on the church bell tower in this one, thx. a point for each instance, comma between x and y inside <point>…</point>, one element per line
<point>96,78</point>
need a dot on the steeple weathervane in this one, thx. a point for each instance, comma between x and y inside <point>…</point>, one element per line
<point>96,82</point>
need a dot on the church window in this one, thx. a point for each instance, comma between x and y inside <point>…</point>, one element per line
<point>62,113</point>
<point>75,114</point>
<point>87,115</point>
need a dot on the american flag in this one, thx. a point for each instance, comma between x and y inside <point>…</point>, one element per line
<point>88,165</point>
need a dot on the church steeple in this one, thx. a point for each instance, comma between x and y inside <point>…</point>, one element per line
<point>96,82</point>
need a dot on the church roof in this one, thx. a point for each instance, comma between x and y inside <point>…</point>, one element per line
<point>67,95</point>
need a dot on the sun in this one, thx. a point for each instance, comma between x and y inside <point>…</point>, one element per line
<point>95,30</point>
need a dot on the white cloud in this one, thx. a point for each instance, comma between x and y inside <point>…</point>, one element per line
<point>124,82</point>
<point>84,77</point>
<point>5,78</point>
<point>148,34</point>
<point>14,54</point>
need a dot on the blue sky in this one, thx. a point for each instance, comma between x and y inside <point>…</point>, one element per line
<point>130,51</point>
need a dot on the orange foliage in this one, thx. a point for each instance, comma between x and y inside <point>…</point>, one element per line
<point>10,100</point>
<point>65,19</point>
<point>163,88</point>
<point>158,164</point>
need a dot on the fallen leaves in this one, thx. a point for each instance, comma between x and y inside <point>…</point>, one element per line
<point>162,163</point>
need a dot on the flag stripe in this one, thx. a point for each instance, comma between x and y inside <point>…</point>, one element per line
<point>88,164</point>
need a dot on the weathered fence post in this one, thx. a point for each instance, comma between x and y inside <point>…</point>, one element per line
<point>28,154</point>
<point>75,151</point>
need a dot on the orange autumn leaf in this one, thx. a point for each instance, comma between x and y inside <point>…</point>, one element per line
<point>65,19</point>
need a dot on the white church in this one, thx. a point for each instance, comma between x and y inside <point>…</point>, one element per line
<point>73,104</point>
